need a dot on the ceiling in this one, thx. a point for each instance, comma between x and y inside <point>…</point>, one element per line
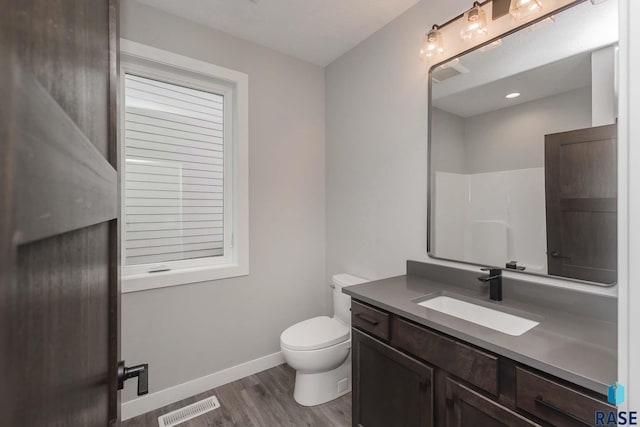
<point>551,79</point>
<point>317,31</point>
<point>537,62</point>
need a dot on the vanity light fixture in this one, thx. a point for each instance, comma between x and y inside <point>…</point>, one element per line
<point>512,95</point>
<point>522,8</point>
<point>474,26</point>
<point>474,23</point>
<point>432,44</point>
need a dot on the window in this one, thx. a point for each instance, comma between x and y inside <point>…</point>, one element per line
<point>184,170</point>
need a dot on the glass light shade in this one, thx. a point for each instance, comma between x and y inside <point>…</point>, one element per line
<point>432,45</point>
<point>474,24</point>
<point>523,8</point>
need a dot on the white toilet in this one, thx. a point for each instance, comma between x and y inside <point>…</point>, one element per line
<point>319,349</point>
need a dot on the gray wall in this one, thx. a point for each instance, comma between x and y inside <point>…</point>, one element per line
<point>189,331</point>
<point>376,115</point>
<point>505,139</point>
<point>513,138</point>
<point>448,149</point>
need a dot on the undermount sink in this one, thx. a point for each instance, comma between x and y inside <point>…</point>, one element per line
<point>497,320</point>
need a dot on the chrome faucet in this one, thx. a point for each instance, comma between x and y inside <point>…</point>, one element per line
<point>495,282</point>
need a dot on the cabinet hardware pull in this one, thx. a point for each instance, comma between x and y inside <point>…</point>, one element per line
<point>367,319</point>
<point>540,401</point>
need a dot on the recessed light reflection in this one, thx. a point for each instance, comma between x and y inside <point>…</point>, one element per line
<point>512,95</point>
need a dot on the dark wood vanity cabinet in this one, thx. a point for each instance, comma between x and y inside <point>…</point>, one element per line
<point>468,408</point>
<point>393,388</point>
<point>406,375</point>
<point>370,320</point>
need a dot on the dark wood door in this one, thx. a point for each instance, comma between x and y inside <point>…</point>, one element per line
<point>58,211</point>
<point>389,387</point>
<point>581,202</point>
<point>466,407</point>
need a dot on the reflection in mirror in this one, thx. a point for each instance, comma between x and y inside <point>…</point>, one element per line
<point>523,171</point>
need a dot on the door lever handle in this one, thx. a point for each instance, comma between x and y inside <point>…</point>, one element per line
<point>140,371</point>
<point>557,254</point>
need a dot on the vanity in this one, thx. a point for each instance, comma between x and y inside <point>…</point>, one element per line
<point>418,366</point>
<point>522,180</point>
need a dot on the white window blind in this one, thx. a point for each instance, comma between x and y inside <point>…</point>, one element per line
<point>174,172</point>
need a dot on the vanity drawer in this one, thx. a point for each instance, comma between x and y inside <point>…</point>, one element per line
<point>369,319</point>
<point>465,362</point>
<point>554,402</point>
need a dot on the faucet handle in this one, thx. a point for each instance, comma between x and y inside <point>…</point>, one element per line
<point>493,271</point>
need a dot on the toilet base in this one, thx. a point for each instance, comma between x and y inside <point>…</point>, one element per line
<point>322,387</point>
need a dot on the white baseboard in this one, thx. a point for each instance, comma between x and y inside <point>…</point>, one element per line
<point>173,394</point>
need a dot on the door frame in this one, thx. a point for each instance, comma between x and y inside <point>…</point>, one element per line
<point>114,225</point>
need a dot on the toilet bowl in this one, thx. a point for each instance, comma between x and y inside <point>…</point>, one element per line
<point>319,349</point>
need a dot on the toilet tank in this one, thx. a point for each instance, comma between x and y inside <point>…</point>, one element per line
<point>342,302</point>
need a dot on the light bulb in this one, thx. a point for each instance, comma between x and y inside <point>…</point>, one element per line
<point>432,45</point>
<point>474,24</point>
<point>523,8</point>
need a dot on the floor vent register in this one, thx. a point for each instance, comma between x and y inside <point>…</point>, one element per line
<point>189,412</point>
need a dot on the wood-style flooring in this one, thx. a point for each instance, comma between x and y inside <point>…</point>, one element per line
<point>261,400</point>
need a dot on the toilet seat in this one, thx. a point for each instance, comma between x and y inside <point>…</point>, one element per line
<point>316,333</point>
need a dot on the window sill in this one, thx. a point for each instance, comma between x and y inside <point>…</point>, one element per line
<point>147,281</point>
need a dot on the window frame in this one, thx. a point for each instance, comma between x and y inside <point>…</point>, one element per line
<point>149,62</point>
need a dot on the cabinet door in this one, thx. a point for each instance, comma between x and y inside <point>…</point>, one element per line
<point>466,407</point>
<point>389,387</point>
